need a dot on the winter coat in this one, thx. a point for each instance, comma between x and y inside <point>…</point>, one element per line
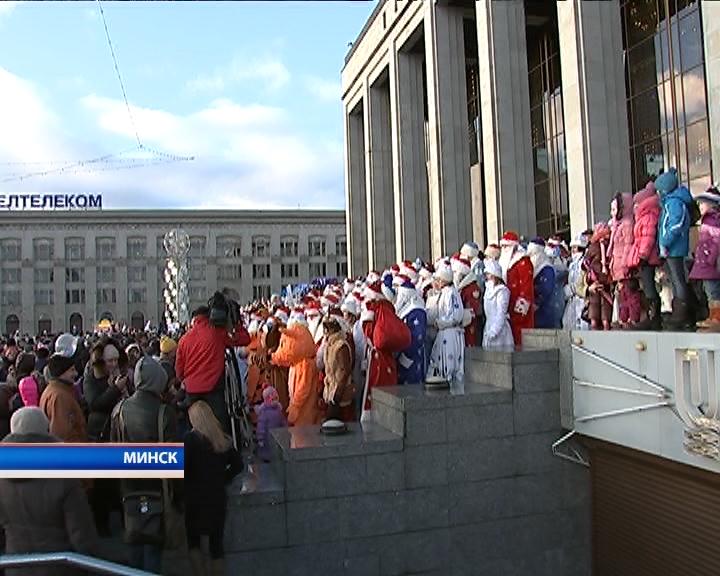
<point>45,515</point>
<point>575,296</point>
<point>270,416</point>
<point>630,309</point>
<point>707,251</point>
<point>360,364</point>
<point>411,310</point>
<point>338,360</point>
<point>544,289</point>
<point>621,241</point>
<point>101,399</point>
<point>471,297</point>
<point>448,353</point>
<point>67,420</point>
<point>520,282</point>
<point>647,215</point>
<point>297,352</point>
<point>497,333</point>
<point>674,227</point>
<point>593,263</point>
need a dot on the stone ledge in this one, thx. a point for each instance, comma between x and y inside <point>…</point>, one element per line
<point>513,357</point>
<point>257,487</point>
<point>415,397</point>
<point>308,443</point>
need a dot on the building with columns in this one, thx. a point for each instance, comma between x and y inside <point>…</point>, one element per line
<point>64,270</point>
<point>467,118</point>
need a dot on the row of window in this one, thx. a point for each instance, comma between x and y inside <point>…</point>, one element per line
<point>72,275</point>
<point>229,247</point>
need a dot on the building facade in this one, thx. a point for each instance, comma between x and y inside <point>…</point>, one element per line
<point>467,118</point>
<point>68,270</point>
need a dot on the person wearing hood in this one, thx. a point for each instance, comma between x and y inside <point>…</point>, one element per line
<point>410,308</point>
<point>706,266</point>
<point>621,242</point>
<point>596,264</point>
<point>136,420</point>
<point>674,243</point>
<point>42,515</point>
<point>576,289</point>
<point>271,415</point>
<point>543,285</point>
<point>496,301</point>
<point>471,297</point>
<point>643,255</point>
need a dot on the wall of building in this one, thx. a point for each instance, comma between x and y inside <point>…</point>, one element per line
<point>37,286</point>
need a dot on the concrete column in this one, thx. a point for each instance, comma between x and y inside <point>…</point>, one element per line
<point>710,15</point>
<point>449,148</point>
<point>595,110</point>
<point>379,175</point>
<point>410,183</point>
<point>505,112</point>
<point>356,198</point>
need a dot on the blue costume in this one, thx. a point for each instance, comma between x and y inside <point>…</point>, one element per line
<point>411,310</point>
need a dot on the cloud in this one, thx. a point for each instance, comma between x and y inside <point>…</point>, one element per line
<point>247,155</point>
<point>326,90</point>
<point>7,7</point>
<point>268,70</point>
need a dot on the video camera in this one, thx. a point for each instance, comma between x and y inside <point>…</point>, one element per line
<point>224,310</point>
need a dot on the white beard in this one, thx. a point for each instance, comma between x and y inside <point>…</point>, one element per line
<point>506,254</point>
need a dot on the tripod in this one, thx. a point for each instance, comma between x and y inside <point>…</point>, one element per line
<point>237,407</point>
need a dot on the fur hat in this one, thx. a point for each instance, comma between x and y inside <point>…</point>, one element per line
<point>469,250</point>
<point>492,267</point>
<point>460,265</point>
<point>443,272</point>
<point>374,291</point>
<point>536,245</point>
<point>510,239</point>
<point>297,317</point>
<point>350,306</point>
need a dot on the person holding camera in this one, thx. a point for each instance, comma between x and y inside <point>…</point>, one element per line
<point>200,359</point>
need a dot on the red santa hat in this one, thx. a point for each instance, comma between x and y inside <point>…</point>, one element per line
<point>330,300</point>
<point>297,318</point>
<point>374,292</point>
<point>395,269</point>
<point>401,279</point>
<point>312,310</point>
<point>282,314</point>
<point>510,239</point>
<point>460,265</point>
<point>469,250</point>
<point>408,269</point>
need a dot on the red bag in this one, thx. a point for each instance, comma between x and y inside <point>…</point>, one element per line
<point>390,334</point>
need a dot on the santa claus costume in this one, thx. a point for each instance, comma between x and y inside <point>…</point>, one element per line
<point>471,296</point>
<point>518,276</point>
<point>445,312</point>
<point>497,332</point>
<point>410,309</point>
<point>544,285</point>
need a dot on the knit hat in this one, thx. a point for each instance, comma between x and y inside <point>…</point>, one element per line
<point>29,420</point>
<point>711,195</point>
<point>270,395</point>
<point>510,239</point>
<point>492,267</point>
<point>58,365</point>
<point>470,250</point>
<point>167,345</point>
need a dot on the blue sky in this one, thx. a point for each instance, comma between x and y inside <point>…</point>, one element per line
<point>251,89</point>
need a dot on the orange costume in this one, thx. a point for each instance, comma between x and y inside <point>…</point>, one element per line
<point>297,351</point>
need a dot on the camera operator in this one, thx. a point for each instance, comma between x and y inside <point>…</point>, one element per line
<point>200,360</point>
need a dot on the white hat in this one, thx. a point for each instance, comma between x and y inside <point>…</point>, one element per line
<point>443,271</point>
<point>296,317</point>
<point>350,305</point>
<point>460,265</point>
<point>493,268</point>
<point>469,250</point>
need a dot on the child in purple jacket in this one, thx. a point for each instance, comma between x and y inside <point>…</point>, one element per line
<point>270,415</point>
<point>707,255</point>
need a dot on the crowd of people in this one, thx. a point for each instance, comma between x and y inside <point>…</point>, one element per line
<point>305,359</point>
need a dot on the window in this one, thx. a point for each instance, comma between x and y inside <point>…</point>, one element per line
<point>666,91</point>
<point>137,273</point>
<point>229,247</point>
<point>137,295</point>
<point>75,296</point>
<point>43,249</point>
<point>341,269</point>
<point>11,276</point>
<point>197,246</point>
<point>106,296</point>
<point>44,296</point>
<point>74,274</point>
<point>106,274</point>
<point>136,248</point>
<point>161,253</point>
<point>261,271</point>
<point>197,272</point>
<point>261,292</point>
<point>105,248</point>
<point>44,275</point>
<point>341,246</point>
<point>197,294</point>
<point>317,270</point>
<point>261,247</point>
<point>316,247</point>
<point>11,298</point>
<point>74,249</point>
<point>289,270</point>
<point>229,272</point>
<point>289,247</point>
<point>10,250</point>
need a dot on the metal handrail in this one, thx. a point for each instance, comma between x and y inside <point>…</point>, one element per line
<point>74,559</point>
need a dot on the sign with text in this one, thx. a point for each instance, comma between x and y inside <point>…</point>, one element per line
<point>50,202</point>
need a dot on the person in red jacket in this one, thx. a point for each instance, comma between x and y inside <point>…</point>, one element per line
<point>466,282</point>
<point>519,278</point>
<point>200,361</point>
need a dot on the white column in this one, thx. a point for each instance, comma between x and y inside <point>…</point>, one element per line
<point>378,173</point>
<point>449,148</point>
<point>505,112</point>
<point>356,198</point>
<point>595,110</point>
<point>410,183</point>
<point>710,14</point>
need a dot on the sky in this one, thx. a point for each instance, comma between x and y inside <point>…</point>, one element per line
<point>251,90</point>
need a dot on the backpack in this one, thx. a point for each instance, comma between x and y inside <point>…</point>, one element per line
<point>390,333</point>
<point>694,213</point>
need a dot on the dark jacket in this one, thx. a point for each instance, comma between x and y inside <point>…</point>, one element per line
<point>7,391</point>
<point>45,515</point>
<point>101,399</point>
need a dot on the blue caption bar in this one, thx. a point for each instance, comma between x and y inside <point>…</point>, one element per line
<point>126,457</point>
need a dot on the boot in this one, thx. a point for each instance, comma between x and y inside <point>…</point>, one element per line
<point>712,323</point>
<point>680,319</point>
<point>653,322</point>
<point>197,562</point>
<point>218,567</point>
